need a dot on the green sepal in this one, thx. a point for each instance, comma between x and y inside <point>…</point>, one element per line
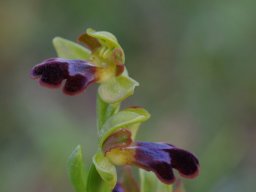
<point>76,170</point>
<point>70,50</point>
<point>105,38</point>
<point>150,183</point>
<point>106,169</point>
<point>117,89</point>
<point>95,182</point>
<point>129,118</point>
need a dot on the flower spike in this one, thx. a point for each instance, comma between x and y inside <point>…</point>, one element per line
<point>103,62</point>
<point>79,74</point>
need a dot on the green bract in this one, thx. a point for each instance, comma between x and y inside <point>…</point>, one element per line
<point>129,118</point>
<point>117,89</point>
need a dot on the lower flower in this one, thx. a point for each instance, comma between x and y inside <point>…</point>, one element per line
<point>161,158</point>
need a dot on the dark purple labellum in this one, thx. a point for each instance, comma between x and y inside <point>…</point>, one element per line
<point>77,73</point>
<point>161,158</point>
<point>185,162</point>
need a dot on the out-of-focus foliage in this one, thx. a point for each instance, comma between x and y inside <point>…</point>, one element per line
<point>194,60</point>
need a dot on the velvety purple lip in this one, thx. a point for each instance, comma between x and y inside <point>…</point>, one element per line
<point>161,158</point>
<point>79,74</point>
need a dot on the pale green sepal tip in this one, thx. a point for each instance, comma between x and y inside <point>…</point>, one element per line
<point>150,183</point>
<point>106,169</point>
<point>70,50</point>
<point>129,118</point>
<point>76,170</point>
<point>105,38</point>
<point>117,89</point>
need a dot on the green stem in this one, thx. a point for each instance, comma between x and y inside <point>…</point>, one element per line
<point>104,111</point>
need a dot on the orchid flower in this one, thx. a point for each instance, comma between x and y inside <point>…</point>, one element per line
<point>102,62</point>
<point>118,148</point>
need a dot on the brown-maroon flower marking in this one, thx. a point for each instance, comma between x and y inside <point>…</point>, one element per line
<point>91,42</point>
<point>117,59</point>
<point>119,139</point>
<point>79,74</point>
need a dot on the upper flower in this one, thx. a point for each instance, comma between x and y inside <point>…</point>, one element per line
<point>102,62</point>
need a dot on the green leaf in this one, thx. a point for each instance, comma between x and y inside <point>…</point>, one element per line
<point>150,183</point>
<point>106,169</point>
<point>105,111</point>
<point>129,118</point>
<point>70,50</point>
<point>76,170</point>
<point>117,89</point>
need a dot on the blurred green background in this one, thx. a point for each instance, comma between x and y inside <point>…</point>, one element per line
<point>194,59</point>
